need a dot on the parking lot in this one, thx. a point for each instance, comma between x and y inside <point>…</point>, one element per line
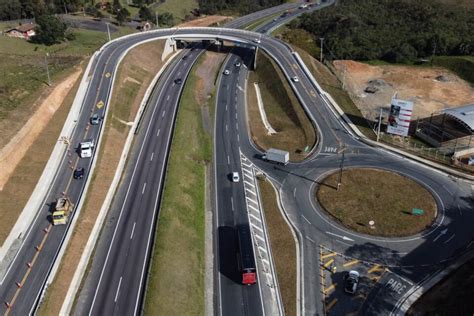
<point>334,271</point>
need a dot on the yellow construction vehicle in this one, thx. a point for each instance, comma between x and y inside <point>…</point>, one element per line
<point>61,211</point>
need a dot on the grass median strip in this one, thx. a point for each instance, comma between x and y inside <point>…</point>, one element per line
<point>114,138</point>
<point>387,198</point>
<point>295,133</point>
<point>283,246</point>
<point>176,278</point>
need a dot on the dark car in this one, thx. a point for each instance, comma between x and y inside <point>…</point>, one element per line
<point>95,119</point>
<point>185,57</point>
<point>79,173</point>
<point>351,282</point>
<point>178,81</point>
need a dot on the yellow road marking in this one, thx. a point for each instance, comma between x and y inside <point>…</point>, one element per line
<point>330,288</point>
<point>327,264</point>
<point>350,263</point>
<point>330,305</point>
<point>332,254</point>
<point>375,268</point>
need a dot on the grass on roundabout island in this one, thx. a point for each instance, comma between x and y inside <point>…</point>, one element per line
<point>384,197</point>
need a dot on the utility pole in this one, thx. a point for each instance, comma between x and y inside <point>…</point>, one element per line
<point>156,20</point>
<point>321,55</point>
<point>47,68</point>
<point>380,123</point>
<point>108,30</point>
<point>339,181</point>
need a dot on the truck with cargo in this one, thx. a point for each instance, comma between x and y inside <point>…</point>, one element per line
<point>61,212</point>
<point>277,156</point>
<point>85,149</point>
<point>247,258</point>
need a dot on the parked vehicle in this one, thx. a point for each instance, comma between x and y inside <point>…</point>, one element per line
<point>247,258</point>
<point>351,281</point>
<point>276,155</point>
<point>61,212</point>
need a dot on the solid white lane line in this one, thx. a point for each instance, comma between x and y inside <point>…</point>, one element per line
<point>151,158</point>
<point>118,289</point>
<point>133,230</point>
<point>163,115</point>
<point>158,133</point>
<point>306,219</point>
<point>144,186</point>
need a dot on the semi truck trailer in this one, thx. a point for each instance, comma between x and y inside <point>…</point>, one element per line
<point>277,156</point>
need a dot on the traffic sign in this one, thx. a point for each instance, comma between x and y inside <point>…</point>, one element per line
<point>100,104</point>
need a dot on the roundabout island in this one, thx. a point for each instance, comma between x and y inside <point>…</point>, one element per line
<point>377,202</point>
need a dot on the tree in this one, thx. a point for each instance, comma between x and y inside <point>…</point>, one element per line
<point>145,14</point>
<point>122,15</point>
<point>50,30</point>
<point>166,19</point>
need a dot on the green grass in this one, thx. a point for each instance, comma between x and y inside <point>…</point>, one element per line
<point>384,197</point>
<point>179,8</point>
<point>176,282</point>
<point>260,22</point>
<point>463,66</point>
<point>284,112</point>
<point>283,247</point>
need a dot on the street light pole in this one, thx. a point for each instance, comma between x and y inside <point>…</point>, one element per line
<point>47,68</point>
<point>108,31</point>
<point>156,19</point>
<point>339,181</point>
<point>380,122</point>
<point>321,54</point>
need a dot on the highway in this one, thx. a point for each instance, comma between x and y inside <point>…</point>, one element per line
<point>134,211</point>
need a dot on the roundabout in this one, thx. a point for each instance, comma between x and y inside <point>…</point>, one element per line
<point>376,202</point>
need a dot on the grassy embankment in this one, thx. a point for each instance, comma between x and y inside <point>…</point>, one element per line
<point>384,197</point>
<point>180,232</point>
<point>22,90</point>
<point>284,112</point>
<point>304,44</point>
<point>179,8</point>
<point>283,246</point>
<point>133,77</point>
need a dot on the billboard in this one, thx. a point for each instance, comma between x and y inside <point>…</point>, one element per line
<point>399,117</point>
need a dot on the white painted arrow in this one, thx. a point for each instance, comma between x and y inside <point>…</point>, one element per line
<point>441,233</point>
<point>343,237</point>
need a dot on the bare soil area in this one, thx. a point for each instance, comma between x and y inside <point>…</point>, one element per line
<point>12,153</point>
<point>431,88</point>
<point>207,21</point>
<point>206,73</point>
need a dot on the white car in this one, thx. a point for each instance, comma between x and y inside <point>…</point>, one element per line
<point>235,177</point>
<point>237,64</point>
<point>257,40</point>
<point>295,79</point>
<point>471,161</point>
<point>351,282</point>
<point>226,72</point>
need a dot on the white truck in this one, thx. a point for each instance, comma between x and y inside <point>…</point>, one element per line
<point>276,155</point>
<point>85,149</point>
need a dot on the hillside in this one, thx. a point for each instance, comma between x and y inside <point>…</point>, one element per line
<point>242,7</point>
<point>392,30</point>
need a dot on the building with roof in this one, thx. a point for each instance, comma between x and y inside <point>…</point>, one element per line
<point>22,31</point>
<point>451,129</point>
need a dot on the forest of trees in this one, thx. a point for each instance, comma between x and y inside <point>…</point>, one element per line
<point>391,30</point>
<point>241,6</point>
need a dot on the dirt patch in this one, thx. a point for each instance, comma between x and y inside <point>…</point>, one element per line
<point>206,73</point>
<point>142,58</point>
<point>384,197</point>
<point>207,21</point>
<point>431,89</point>
<point>15,150</point>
